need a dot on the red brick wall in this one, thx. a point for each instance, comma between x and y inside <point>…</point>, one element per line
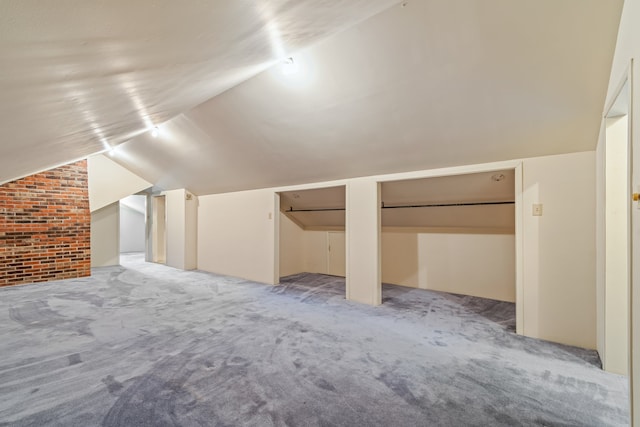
<point>45,226</point>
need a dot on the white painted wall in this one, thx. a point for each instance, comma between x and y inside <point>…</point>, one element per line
<point>315,252</point>
<point>191,231</point>
<point>292,252</point>
<point>337,256</point>
<point>175,228</point>
<point>236,234</point>
<point>110,182</point>
<point>481,265</point>
<point>159,229</point>
<point>303,250</point>
<point>132,224</point>
<point>105,241</point>
<point>559,249</point>
<point>181,229</point>
<point>471,264</point>
<point>236,237</point>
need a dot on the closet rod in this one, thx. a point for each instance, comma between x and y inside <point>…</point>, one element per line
<point>433,205</point>
<point>316,210</point>
<point>438,205</point>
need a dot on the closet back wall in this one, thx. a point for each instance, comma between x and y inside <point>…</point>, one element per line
<point>481,265</point>
<point>475,264</point>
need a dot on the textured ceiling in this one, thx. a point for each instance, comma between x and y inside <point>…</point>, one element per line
<point>79,76</point>
<point>381,87</point>
<point>432,84</point>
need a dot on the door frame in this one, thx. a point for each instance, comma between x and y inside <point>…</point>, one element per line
<point>626,80</point>
<point>517,166</point>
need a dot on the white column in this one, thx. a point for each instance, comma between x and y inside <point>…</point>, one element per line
<point>363,242</point>
<point>182,219</point>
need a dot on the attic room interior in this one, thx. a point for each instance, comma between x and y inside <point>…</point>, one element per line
<point>306,213</point>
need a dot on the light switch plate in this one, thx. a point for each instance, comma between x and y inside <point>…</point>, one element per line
<point>537,209</point>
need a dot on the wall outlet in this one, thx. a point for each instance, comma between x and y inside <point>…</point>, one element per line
<point>537,209</point>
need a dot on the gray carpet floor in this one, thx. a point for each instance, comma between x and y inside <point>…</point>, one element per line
<point>148,345</point>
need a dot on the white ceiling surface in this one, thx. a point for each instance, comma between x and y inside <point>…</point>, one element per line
<point>136,203</point>
<point>432,84</point>
<point>485,187</point>
<point>498,186</point>
<point>320,198</point>
<point>77,76</point>
<point>317,198</point>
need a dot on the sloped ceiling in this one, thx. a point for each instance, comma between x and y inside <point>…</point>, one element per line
<point>381,86</point>
<point>80,76</point>
<point>484,188</point>
<point>431,84</point>
<point>325,207</point>
<point>497,186</point>
<point>321,207</point>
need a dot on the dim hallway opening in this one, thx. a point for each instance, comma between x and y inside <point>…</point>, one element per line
<point>147,344</point>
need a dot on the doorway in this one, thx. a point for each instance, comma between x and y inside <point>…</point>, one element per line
<point>459,233</point>
<point>133,213</point>
<point>634,296</point>
<point>311,232</point>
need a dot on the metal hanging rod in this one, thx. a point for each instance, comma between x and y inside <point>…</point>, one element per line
<point>431,205</point>
<point>438,205</point>
<point>315,210</point>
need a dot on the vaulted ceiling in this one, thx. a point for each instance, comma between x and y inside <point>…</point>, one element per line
<point>80,76</point>
<point>380,86</point>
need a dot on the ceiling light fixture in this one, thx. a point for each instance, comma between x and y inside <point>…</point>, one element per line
<point>289,66</point>
<point>498,177</point>
<point>155,132</point>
